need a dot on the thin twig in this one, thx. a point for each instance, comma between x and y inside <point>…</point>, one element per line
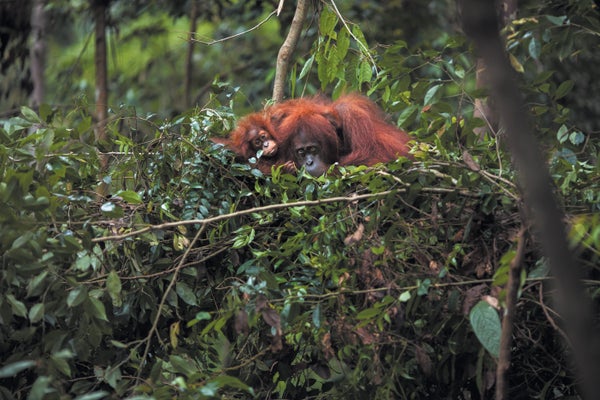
<point>153,330</point>
<point>360,44</point>
<point>210,43</point>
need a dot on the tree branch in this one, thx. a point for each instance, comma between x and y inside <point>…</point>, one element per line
<point>286,50</point>
<point>512,289</point>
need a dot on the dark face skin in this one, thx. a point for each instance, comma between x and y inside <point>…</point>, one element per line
<point>309,153</point>
<point>260,139</point>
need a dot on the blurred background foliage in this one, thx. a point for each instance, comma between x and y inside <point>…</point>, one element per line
<point>364,283</point>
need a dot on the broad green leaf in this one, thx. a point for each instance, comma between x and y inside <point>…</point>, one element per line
<point>368,313</point>
<point>364,72</point>
<point>535,48</point>
<point>30,115</point>
<point>38,390</point>
<point>560,20</point>
<point>97,309</point>
<point>36,312</point>
<point>18,307</point>
<point>430,95</point>
<point>61,364</point>
<point>487,326</point>
<point>407,114</point>
<point>77,296</point>
<point>13,369</point>
<point>563,89</point>
<point>327,22</point>
<point>563,134</point>
<point>130,196</point>
<point>186,293</point>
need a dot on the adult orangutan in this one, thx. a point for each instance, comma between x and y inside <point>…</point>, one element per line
<point>309,133</point>
<point>352,130</point>
<point>368,138</point>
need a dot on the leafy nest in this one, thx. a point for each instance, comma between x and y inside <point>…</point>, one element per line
<point>202,277</point>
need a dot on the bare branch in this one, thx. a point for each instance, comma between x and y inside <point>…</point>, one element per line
<point>287,49</point>
<point>512,289</point>
<point>211,42</point>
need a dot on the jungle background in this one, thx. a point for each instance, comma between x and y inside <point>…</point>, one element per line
<point>141,260</point>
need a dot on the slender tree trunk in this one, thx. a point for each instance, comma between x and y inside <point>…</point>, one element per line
<point>480,24</point>
<point>38,52</point>
<point>510,310</point>
<point>484,107</point>
<point>287,49</point>
<point>189,67</point>
<point>99,8</point>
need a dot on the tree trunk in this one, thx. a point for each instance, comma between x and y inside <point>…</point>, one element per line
<point>37,52</point>
<point>189,67</point>
<point>484,107</point>
<point>480,24</point>
<point>99,8</point>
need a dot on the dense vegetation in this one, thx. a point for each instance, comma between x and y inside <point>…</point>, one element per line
<point>200,277</point>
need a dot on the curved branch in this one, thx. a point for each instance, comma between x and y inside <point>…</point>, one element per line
<point>286,50</point>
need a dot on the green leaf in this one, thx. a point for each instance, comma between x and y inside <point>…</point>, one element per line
<point>38,390</point>
<point>534,48</point>
<point>61,364</point>
<point>327,22</point>
<point>113,286</point>
<point>97,309</point>
<point>404,296</point>
<point>364,72</point>
<point>343,43</point>
<point>77,296</point>
<point>110,209</point>
<point>430,95</point>
<point>306,67</point>
<point>36,312</point>
<point>18,308</point>
<point>368,313</point>
<point>560,20</point>
<point>487,327</point>
<point>563,89</point>
<point>563,134</point>
<point>130,196</point>
<point>407,114</point>
<point>577,138</point>
<point>14,368</point>
<point>93,396</point>
<point>316,316</point>
<point>30,115</point>
<point>186,293</point>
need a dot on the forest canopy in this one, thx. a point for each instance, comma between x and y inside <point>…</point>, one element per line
<point>142,259</point>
